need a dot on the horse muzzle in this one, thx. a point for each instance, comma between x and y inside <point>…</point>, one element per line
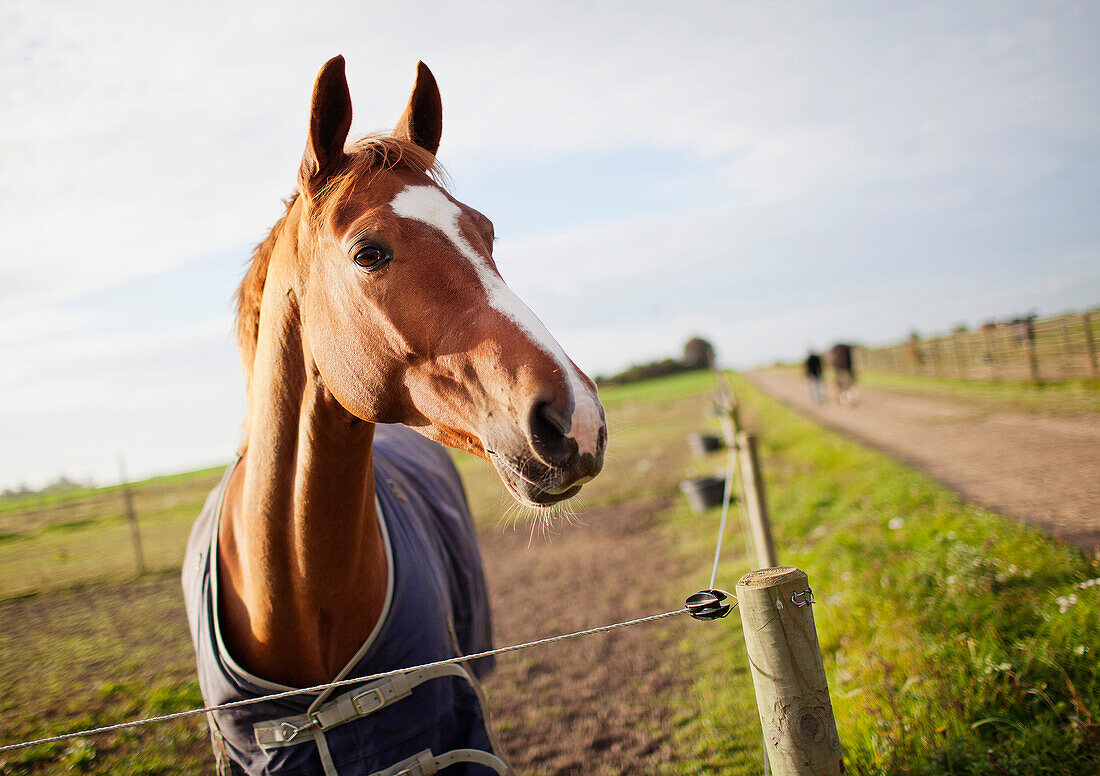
<point>549,465</point>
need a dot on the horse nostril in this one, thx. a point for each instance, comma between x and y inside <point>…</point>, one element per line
<point>549,432</point>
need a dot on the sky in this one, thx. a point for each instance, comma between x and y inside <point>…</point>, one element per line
<point>771,176</point>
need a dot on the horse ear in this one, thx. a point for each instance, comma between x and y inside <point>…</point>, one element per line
<point>422,121</point>
<point>329,122</point>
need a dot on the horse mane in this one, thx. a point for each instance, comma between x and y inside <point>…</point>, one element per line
<point>365,157</point>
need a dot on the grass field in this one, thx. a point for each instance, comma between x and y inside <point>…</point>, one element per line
<point>52,541</point>
<point>955,641</point>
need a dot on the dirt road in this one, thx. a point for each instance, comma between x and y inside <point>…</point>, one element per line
<point>1042,470</point>
<point>600,704</point>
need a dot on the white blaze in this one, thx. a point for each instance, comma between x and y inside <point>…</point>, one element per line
<point>431,206</point>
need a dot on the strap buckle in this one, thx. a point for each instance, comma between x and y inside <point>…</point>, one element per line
<point>283,732</point>
<point>370,701</point>
<point>290,732</point>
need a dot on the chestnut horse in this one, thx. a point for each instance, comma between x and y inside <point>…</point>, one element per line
<point>374,300</point>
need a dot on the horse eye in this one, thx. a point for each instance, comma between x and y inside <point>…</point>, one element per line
<point>372,257</point>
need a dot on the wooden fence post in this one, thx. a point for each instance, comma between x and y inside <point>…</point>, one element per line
<point>960,359</point>
<point>755,502</point>
<point>792,693</point>
<point>990,352</point>
<point>934,346</point>
<point>1086,320</point>
<point>1067,340</point>
<point>1032,356</point>
<point>730,420</point>
<point>131,518</point>
<point>726,408</point>
<point>1032,360</point>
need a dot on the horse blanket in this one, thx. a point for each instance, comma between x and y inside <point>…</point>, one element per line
<point>436,608</point>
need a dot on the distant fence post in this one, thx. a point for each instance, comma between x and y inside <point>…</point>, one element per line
<point>1086,320</point>
<point>788,674</point>
<point>730,421</point>
<point>1032,361</point>
<point>960,358</point>
<point>934,345</point>
<point>754,500</point>
<point>1032,356</point>
<point>1067,341</point>
<point>726,407</point>
<point>131,518</point>
<point>990,351</point>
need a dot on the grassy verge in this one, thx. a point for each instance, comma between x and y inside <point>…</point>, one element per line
<point>1068,397</point>
<point>955,641</point>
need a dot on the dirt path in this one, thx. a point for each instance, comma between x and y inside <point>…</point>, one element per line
<point>1044,471</point>
<point>599,704</point>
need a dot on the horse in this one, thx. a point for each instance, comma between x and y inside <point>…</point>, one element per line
<point>374,327</point>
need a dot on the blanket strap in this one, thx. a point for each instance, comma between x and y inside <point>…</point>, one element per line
<point>426,764</point>
<point>364,700</point>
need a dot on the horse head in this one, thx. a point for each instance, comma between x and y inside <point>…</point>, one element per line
<point>405,317</point>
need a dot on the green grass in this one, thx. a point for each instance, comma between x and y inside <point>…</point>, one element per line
<point>98,655</point>
<point>53,541</point>
<point>65,499</point>
<point>955,641</point>
<point>1068,397</point>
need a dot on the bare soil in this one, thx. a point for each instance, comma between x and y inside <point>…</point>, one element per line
<point>1044,471</point>
<point>599,704</point>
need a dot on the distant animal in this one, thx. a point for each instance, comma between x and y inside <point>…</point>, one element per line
<point>813,369</point>
<point>844,372</point>
<point>372,320</point>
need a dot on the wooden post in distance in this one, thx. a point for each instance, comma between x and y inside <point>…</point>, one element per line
<point>755,502</point>
<point>1086,320</point>
<point>131,518</point>
<point>933,345</point>
<point>1067,340</point>
<point>1032,356</point>
<point>990,351</point>
<point>792,693</point>
<point>726,408</point>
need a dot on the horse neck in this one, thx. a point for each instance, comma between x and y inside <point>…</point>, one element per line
<point>301,551</point>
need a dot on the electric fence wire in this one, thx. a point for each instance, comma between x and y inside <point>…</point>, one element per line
<point>727,494</point>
